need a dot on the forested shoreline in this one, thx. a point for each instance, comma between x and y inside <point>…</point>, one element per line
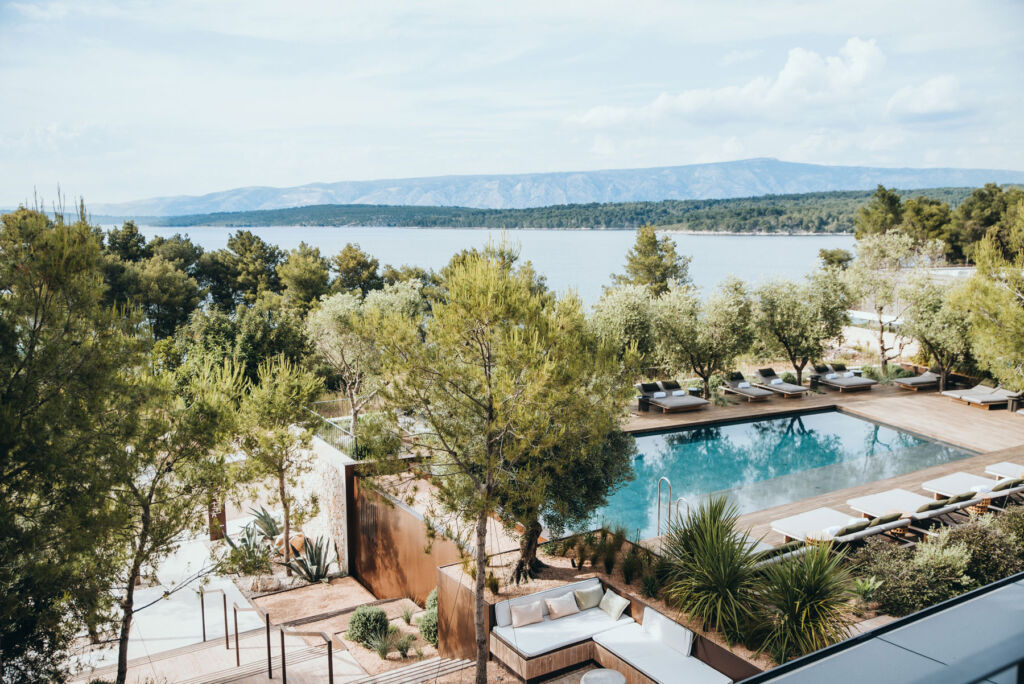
<point>818,212</point>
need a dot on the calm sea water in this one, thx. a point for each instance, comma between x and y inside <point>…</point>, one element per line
<point>571,259</point>
<point>767,463</point>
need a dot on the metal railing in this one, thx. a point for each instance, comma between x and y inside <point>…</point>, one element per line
<point>331,432</point>
<point>202,611</point>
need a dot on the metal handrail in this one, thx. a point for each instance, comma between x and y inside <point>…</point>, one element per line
<point>202,611</point>
<point>664,479</point>
<point>330,652</point>
<point>682,500</point>
<point>266,620</point>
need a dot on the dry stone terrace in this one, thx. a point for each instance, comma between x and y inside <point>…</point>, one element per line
<point>994,435</point>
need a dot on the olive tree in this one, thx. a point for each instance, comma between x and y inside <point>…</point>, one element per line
<point>798,319</point>
<point>935,320</point>
<point>704,337</point>
<point>885,261</point>
<point>625,316</point>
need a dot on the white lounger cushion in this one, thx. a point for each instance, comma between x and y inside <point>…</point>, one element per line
<point>888,501</point>
<point>551,635</point>
<point>658,659</point>
<point>1005,469</point>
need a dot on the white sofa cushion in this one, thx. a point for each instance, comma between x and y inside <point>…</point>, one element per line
<point>551,635</point>
<point>503,614</point>
<point>561,607</point>
<point>527,614</point>
<point>655,659</point>
<point>668,632</point>
<point>589,598</point>
<point>613,604</point>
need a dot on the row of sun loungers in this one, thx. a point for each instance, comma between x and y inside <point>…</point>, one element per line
<point>668,396</point>
<point>982,396</point>
<point>898,512</point>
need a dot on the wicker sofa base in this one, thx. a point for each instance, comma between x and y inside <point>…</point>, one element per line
<point>530,669</point>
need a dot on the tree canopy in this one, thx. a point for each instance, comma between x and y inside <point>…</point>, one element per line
<point>653,263</point>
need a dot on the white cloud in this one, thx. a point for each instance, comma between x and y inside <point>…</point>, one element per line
<point>936,96</point>
<point>806,78</point>
<point>738,56</point>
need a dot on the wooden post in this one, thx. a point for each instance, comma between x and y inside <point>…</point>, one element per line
<point>284,669</point>
<point>238,658</point>
<point>270,665</point>
<point>202,611</point>
<point>227,644</point>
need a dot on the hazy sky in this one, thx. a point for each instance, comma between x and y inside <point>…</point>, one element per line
<point>122,100</point>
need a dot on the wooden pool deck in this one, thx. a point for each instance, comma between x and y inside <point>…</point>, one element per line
<point>994,435</point>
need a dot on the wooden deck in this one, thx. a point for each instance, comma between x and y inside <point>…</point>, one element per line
<point>994,435</point>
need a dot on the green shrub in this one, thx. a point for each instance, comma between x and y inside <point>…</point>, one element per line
<point>913,578</point>
<point>864,588</point>
<point>1012,523</point>
<point>428,626</point>
<point>431,603</point>
<point>994,553</point>
<point>631,565</point>
<point>788,377</point>
<point>250,555</point>
<point>366,622</point>
<point>382,642</point>
<point>407,615</point>
<point>609,555</point>
<point>713,577</point>
<point>893,371</point>
<point>650,586</point>
<point>804,603</point>
<point>404,643</point>
<point>491,582</point>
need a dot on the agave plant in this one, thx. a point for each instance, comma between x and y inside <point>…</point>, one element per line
<point>250,555</point>
<point>314,563</point>
<point>711,573</point>
<point>267,523</point>
<point>805,603</point>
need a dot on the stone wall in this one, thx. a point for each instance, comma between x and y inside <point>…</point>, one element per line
<point>328,483</point>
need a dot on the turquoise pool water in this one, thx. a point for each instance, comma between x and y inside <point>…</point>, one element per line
<point>766,463</point>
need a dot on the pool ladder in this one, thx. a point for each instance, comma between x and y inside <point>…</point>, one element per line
<point>671,507</point>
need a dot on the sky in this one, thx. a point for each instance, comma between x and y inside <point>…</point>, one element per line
<point>115,101</point>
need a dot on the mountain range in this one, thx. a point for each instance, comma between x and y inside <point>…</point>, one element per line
<point>744,178</point>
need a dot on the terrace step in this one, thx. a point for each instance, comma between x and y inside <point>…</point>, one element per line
<point>259,667</point>
<point>425,671</point>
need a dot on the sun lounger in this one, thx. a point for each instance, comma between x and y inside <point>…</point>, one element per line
<point>893,500</point>
<point>652,396</point>
<point>1005,470</point>
<point>828,524</point>
<point>735,383</point>
<point>837,377</point>
<point>767,379</point>
<point>982,396</point>
<point>926,380</point>
<point>957,483</point>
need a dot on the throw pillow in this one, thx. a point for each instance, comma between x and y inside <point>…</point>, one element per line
<point>526,614</point>
<point>660,395</point>
<point>562,606</point>
<point>589,598</point>
<point>613,604</point>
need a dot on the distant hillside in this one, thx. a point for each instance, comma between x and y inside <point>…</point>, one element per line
<point>748,178</point>
<point>819,212</point>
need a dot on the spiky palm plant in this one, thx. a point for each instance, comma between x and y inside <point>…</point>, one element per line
<point>712,574</point>
<point>804,602</point>
<point>314,563</point>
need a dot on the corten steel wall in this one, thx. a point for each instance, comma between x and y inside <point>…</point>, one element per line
<point>456,634</point>
<point>387,548</point>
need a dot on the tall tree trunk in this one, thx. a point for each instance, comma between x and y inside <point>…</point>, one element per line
<point>882,350</point>
<point>799,371</point>
<point>355,420</point>
<point>528,563</point>
<point>478,614</point>
<point>128,603</point>
<point>707,387</point>
<point>282,492</point>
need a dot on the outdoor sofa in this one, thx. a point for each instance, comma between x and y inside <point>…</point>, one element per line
<point>982,396</point>
<point>736,384</point>
<point>667,401</point>
<point>660,649</point>
<point>926,380</point>
<point>767,379</point>
<point>837,377</point>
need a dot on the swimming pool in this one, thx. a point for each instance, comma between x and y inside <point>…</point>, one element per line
<point>766,463</point>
